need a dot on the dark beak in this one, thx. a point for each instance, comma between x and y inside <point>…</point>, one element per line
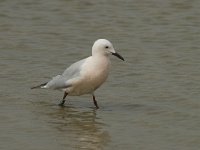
<point>118,55</point>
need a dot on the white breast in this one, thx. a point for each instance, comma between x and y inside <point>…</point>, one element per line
<point>94,73</point>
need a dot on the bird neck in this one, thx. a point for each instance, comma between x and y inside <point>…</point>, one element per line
<point>100,56</point>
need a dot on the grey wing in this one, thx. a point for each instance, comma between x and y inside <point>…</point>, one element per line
<point>58,82</point>
<point>61,81</point>
<point>74,70</point>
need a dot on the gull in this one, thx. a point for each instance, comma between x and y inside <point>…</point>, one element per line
<point>86,75</point>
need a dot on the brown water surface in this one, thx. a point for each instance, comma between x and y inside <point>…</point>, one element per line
<point>150,102</point>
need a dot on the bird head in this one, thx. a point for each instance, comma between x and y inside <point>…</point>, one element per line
<point>104,47</point>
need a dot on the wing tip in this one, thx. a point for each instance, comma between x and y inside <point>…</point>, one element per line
<point>39,86</point>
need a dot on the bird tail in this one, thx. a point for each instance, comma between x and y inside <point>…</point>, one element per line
<point>39,86</point>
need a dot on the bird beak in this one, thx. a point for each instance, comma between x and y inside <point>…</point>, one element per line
<point>118,55</point>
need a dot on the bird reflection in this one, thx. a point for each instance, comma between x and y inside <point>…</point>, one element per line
<point>82,125</point>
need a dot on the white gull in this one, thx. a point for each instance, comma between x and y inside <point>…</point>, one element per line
<point>86,75</point>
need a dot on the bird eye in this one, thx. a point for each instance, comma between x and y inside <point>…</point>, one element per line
<point>106,47</point>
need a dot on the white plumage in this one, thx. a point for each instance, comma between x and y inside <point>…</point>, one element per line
<point>86,75</point>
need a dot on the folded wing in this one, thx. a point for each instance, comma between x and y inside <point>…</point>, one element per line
<point>66,79</point>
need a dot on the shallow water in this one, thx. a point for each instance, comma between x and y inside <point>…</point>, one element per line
<point>150,101</point>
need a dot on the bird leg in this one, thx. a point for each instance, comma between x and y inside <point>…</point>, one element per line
<point>95,102</point>
<point>63,100</point>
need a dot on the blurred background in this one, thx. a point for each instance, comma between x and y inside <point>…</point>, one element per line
<point>150,101</point>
